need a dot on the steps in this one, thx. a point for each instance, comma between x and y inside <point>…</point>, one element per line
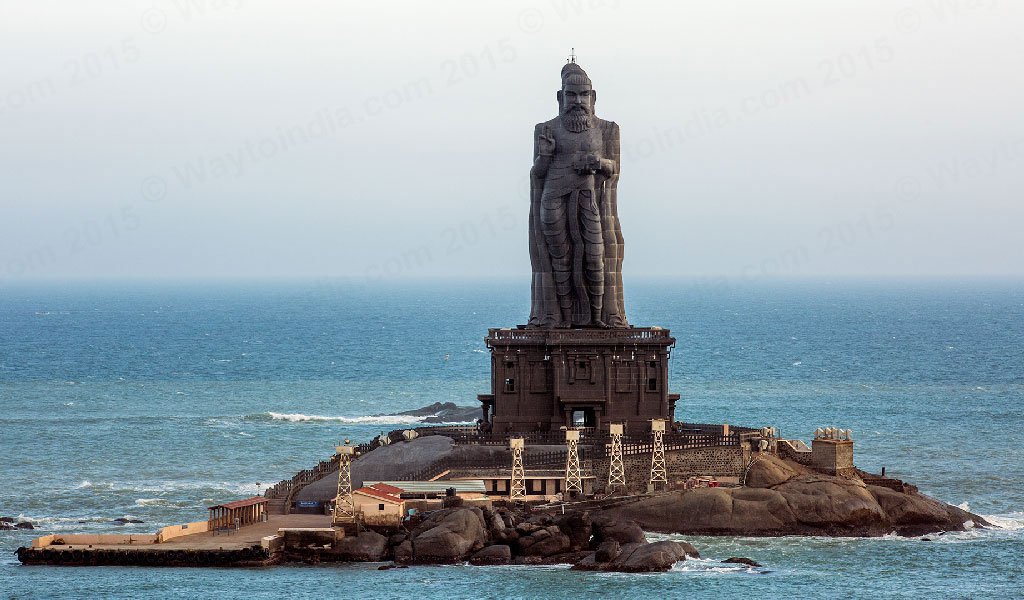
<point>275,506</point>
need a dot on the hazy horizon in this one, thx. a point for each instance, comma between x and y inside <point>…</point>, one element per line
<point>203,140</point>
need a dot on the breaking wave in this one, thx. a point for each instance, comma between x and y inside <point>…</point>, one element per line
<point>373,420</point>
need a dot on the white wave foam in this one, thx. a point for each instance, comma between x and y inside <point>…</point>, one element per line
<point>378,420</point>
<point>176,486</point>
<point>710,566</point>
<point>151,502</point>
<point>1012,521</point>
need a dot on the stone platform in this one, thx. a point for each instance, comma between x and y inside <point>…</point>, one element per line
<point>545,379</point>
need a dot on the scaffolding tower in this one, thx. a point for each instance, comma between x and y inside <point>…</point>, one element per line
<point>517,484</point>
<point>616,469</point>
<point>344,507</point>
<point>573,479</point>
<point>659,473</point>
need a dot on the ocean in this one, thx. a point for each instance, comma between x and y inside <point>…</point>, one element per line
<point>151,400</point>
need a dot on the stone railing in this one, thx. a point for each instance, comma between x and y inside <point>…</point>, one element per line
<point>574,336</point>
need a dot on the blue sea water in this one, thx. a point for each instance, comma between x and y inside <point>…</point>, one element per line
<point>152,400</point>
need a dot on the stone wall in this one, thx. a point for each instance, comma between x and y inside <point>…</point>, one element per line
<point>720,461</point>
<point>832,456</point>
<point>788,452</point>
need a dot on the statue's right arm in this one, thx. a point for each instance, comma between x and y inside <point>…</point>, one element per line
<point>541,162</point>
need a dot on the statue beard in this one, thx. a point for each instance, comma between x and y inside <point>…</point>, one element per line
<point>576,119</point>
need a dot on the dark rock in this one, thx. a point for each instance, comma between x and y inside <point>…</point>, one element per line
<point>528,560</point>
<point>445,537</point>
<point>659,556</point>
<point>545,542</point>
<point>690,551</point>
<point>579,527</point>
<point>447,412</point>
<point>368,546</point>
<point>385,567</point>
<point>607,551</point>
<point>6,520</point>
<point>739,560</point>
<point>4,526</point>
<point>403,552</point>
<point>495,524</point>
<point>623,531</point>
<point>498,554</point>
<point>396,539</point>
<point>527,528</point>
<point>25,525</point>
<point>637,558</point>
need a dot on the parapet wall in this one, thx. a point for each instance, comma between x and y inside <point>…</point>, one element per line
<point>93,539</point>
<point>721,461</point>
<point>176,531</point>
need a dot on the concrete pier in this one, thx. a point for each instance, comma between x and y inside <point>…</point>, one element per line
<point>246,546</point>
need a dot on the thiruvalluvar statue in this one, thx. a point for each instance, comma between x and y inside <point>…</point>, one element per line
<point>575,238</point>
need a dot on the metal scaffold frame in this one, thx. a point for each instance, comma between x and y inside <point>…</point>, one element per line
<point>659,472</point>
<point>616,468</point>
<point>344,507</point>
<point>573,478</point>
<point>517,484</point>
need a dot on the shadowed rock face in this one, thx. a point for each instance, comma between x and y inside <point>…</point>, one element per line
<point>633,558</point>
<point>785,498</point>
<point>368,546</point>
<point>447,536</point>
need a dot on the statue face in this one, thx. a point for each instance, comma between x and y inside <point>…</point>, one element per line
<point>577,99</point>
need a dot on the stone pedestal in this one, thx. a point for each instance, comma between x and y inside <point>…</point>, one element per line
<point>544,379</point>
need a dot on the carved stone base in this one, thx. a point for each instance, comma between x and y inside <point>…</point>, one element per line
<point>544,379</point>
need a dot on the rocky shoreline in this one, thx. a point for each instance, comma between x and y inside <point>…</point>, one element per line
<point>784,498</point>
<point>488,536</point>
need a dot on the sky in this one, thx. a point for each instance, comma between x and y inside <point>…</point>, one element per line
<point>384,141</point>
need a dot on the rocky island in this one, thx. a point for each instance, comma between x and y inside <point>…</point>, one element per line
<point>578,446</point>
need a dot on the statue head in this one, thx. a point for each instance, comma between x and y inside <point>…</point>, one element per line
<point>576,98</point>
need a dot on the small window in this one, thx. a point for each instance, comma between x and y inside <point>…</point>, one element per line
<point>652,384</point>
<point>534,486</point>
<point>380,507</point>
<point>510,384</point>
<point>509,364</point>
<point>652,364</point>
<point>582,364</point>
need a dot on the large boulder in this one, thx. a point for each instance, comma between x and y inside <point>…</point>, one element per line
<point>498,554</point>
<point>624,531</point>
<point>368,546</point>
<point>579,527</point>
<point>791,500</point>
<point>769,471</point>
<point>635,558</point>
<point>445,537</point>
<point>916,514</point>
<point>607,551</point>
<point>547,541</point>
